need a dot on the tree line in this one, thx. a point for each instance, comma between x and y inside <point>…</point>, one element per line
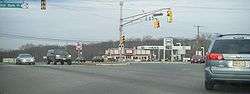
<point>98,49</point>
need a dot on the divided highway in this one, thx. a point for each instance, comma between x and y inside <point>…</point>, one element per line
<point>124,79</point>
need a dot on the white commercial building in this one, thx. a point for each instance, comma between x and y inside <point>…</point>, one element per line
<point>176,52</point>
<point>129,54</point>
<point>147,53</point>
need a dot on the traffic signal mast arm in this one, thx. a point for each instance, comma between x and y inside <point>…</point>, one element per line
<point>150,12</point>
<point>142,15</point>
<point>131,19</point>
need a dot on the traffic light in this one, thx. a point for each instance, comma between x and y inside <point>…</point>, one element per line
<point>170,15</point>
<point>43,4</point>
<point>122,41</point>
<point>156,23</point>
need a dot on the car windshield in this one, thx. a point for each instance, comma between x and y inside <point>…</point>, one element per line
<point>61,52</point>
<point>231,46</point>
<point>25,55</point>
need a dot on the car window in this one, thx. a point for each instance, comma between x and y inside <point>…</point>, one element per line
<point>25,55</point>
<point>61,52</point>
<point>231,46</point>
<point>50,51</point>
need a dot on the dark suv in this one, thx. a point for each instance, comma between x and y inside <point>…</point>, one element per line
<point>58,55</point>
<point>228,60</point>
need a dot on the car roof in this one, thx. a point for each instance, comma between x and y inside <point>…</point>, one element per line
<point>24,54</point>
<point>233,36</point>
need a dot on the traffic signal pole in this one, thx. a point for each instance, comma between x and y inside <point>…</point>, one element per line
<point>121,44</point>
<point>198,37</point>
<point>129,20</point>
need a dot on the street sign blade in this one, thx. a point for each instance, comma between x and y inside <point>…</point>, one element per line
<point>158,14</point>
<point>11,5</point>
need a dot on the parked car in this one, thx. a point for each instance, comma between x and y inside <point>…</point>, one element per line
<point>197,59</point>
<point>58,55</point>
<point>25,59</point>
<point>228,60</point>
<point>98,59</point>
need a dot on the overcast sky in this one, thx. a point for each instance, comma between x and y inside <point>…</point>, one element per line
<point>98,20</point>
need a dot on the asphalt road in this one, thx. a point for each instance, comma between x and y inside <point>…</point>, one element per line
<point>127,79</point>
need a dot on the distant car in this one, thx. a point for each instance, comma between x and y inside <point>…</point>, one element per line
<point>58,55</point>
<point>111,60</point>
<point>82,59</point>
<point>197,59</point>
<point>228,60</point>
<point>98,59</point>
<point>25,59</point>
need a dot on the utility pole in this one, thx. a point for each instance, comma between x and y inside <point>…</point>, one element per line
<point>121,45</point>
<point>198,36</point>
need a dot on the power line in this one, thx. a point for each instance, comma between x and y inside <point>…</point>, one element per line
<point>5,35</point>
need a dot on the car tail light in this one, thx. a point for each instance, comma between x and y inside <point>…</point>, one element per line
<point>214,56</point>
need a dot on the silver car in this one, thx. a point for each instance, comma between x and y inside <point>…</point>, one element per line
<point>25,59</point>
<point>228,60</point>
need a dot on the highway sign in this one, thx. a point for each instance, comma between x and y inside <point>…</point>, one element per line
<point>5,4</point>
<point>11,5</point>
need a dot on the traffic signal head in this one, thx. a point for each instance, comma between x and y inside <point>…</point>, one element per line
<point>156,23</point>
<point>122,41</point>
<point>170,15</point>
<point>43,4</point>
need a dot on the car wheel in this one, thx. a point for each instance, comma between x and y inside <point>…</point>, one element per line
<point>55,63</point>
<point>48,62</point>
<point>62,62</point>
<point>209,85</point>
<point>33,63</point>
<point>69,62</point>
